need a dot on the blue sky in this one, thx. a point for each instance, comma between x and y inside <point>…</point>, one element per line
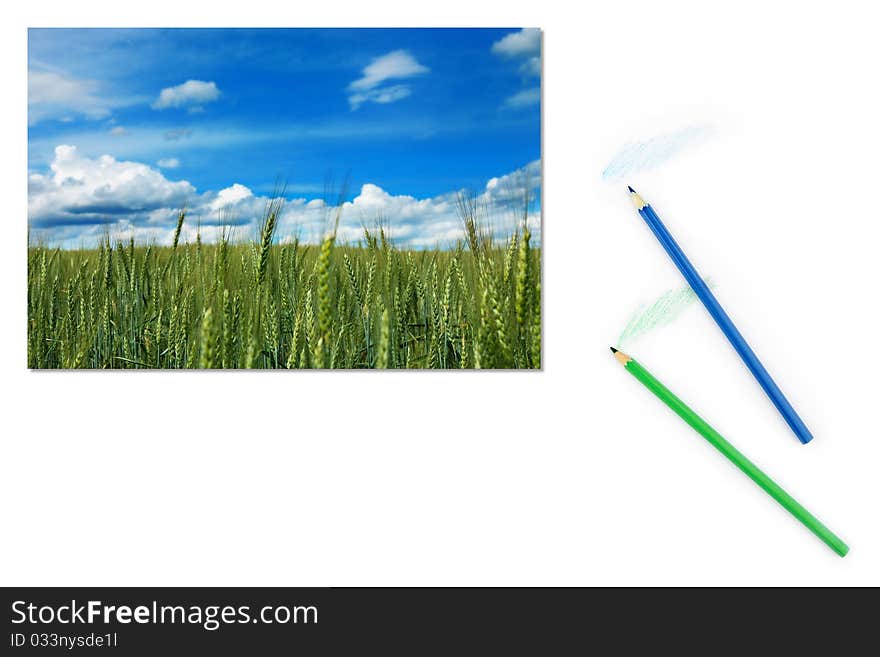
<point>123,125</point>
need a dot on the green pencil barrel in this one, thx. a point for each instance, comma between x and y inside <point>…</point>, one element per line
<point>733,454</point>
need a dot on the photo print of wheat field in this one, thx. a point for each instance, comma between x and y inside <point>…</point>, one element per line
<point>284,198</point>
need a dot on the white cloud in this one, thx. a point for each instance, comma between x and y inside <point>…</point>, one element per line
<point>81,198</point>
<point>169,163</point>
<point>421,223</point>
<point>45,87</point>
<point>192,94</point>
<point>231,196</point>
<point>83,191</point>
<point>511,186</point>
<point>531,67</point>
<point>118,131</point>
<point>524,98</point>
<point>396,65</point>
<point>525,43</point>
<point>382,95</point>
<point>54,95</point>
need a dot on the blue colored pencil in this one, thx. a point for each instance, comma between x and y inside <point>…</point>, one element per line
<point>722,319</point>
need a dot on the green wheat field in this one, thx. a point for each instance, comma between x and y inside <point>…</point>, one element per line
<point>268,305</point>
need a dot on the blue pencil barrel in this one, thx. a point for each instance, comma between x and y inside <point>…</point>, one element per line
<point>724,322</point>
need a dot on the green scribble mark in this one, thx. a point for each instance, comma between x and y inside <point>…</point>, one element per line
<point>662,312</point>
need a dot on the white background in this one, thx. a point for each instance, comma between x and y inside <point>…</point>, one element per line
<point>575,475</point>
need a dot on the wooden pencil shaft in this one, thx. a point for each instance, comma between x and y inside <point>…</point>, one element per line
<point>724,322</point>
<point>733,454</point>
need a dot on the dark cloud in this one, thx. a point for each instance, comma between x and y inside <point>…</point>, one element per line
<point>111,208</point>
<point>53,221</point>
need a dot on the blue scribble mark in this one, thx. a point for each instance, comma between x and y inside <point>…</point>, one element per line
<point>644,155</point>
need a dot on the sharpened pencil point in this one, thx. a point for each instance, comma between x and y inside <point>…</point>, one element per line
<point>639,202</point>
<point>621,357</point>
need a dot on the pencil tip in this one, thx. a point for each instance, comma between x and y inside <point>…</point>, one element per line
<point>621,357</point>
<point>636,199</point>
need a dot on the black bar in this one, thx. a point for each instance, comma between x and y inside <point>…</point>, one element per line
<point>415,621</point>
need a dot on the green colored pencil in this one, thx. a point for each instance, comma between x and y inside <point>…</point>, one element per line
<point>732,453</point>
